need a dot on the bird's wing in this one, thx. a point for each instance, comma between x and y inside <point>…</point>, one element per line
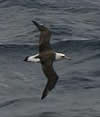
<point>44,45</point>
<point>51,76</point>
<point>44,42</point>
<point>45,36</point>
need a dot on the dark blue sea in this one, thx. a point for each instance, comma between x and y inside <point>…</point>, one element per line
<point>75,26</point>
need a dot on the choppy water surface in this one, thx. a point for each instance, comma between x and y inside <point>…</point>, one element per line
<point>75,25</point>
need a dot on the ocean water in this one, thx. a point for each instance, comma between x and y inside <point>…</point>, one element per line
<point>75,25</point>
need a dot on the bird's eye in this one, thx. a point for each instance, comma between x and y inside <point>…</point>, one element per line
<point>63,56</point>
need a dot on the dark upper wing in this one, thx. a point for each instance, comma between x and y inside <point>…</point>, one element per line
<point>51,76</point>
<point>44,42</point>
<point>45,36</point>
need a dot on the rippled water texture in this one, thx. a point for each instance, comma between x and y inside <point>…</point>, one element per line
<point>75,25</point>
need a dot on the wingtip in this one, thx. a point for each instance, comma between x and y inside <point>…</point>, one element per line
<point>45,93</point>
<point>36,24</point>
<point>43,97</point>
<point>49,86</point>
<point>33,21</point>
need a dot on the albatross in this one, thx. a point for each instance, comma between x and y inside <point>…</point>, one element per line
<point>46,57</point>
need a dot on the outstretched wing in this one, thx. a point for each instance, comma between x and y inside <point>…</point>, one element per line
<point>44,42</point>
<point>51,76</point>
<point>45,36</point>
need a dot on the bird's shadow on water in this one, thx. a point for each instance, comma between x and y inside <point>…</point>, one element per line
<point>48,114</point>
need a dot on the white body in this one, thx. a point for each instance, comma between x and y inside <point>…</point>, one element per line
<point>33,59</point>
<point>59,56</point>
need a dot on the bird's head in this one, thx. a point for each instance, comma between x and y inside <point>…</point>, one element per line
<point>66,57</point>
<point>60,56</point>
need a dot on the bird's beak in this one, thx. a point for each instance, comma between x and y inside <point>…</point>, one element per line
<point>68,57</point>
<point>37,25</point>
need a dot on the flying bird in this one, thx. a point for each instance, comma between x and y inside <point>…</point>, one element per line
<point>46,57</point>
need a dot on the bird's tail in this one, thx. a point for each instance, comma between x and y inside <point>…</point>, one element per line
<point>49,86</point>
